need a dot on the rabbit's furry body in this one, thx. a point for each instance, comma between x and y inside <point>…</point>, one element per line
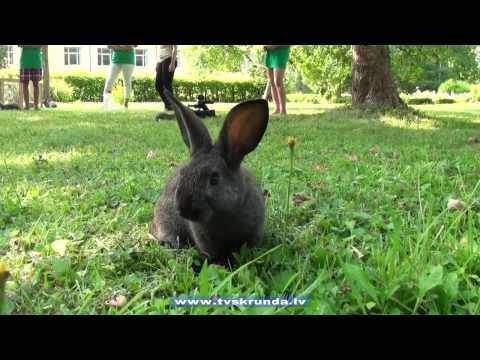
<point>213,202</point>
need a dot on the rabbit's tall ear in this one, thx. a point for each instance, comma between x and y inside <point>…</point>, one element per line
<point>242,130</point>
<point>194,132</point>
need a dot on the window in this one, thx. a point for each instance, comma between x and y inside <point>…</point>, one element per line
<point>103,56</point>
<point>9,54</point>
<point>72,55</point>
<point>141,57</point>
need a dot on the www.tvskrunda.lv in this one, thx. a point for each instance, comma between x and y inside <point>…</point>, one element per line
<point>238,301</point>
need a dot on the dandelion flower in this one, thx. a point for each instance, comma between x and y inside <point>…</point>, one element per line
<point>291,142</point>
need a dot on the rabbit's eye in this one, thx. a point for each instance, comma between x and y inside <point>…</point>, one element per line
<point>214,179</point>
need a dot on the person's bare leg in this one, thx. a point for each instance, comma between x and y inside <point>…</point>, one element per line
<point>36,92</point>
<point>278,76</point>
<point>127,83</point>
<point>26,98</point>
<point>273,91</point>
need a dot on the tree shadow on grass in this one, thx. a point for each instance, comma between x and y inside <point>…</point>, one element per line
<point>440,119</point>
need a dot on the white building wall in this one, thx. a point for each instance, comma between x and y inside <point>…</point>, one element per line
<point>88,59</point>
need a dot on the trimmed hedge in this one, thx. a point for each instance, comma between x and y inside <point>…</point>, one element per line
<point>86,88</point>
<point>427,97</point>
<point>418,101</point>
<point>60,91</point>
<point>445,101</point>
<point>306,98</point>
<point>90,88</point>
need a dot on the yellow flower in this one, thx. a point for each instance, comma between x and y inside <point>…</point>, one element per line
<point>3,267</point>
<point>291,142</point>
<point>3,280</point>
<point>4,273</point>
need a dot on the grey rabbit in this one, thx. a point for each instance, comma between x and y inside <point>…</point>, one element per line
<point>213,202</point>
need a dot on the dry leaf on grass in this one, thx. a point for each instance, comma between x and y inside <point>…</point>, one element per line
<point>34,254</point>
<point>316,185</point>
<point>117,301</point>
<point>320,168</point>
<point>472,140</point>
<point>357,252</point>
<point>352,157</point>
<point>59,247</point>
<point>299,198</point>
<point>402,205</point>
<point>375,150</point>
<point>152,154</point>
<point>345,290</point>
<point>454,204</point>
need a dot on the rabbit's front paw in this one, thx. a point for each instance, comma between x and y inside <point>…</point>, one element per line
<point>169,239</point>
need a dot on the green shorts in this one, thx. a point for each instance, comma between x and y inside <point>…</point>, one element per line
<point>278,58</point>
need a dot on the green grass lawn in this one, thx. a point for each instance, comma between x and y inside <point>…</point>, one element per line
<point>374,237</point>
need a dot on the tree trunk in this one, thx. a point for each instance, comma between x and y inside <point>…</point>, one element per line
<point>372,82</point>
<point>46,76</point>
